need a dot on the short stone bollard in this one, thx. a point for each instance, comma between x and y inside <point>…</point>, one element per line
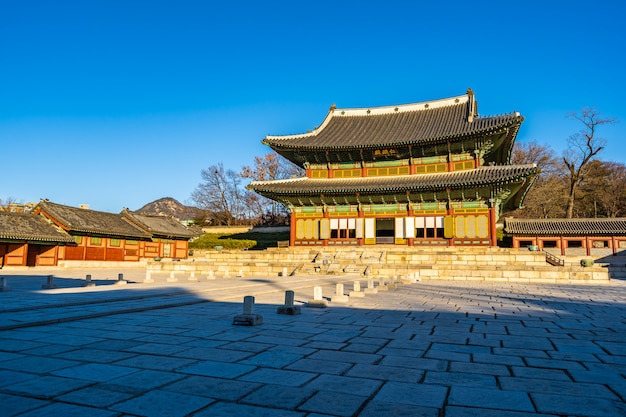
<point>289,308</point>
<point>3,285</point>
<point>240,274</point>
<point>284,274</point>
<point>248,318</point>
<point>382,285</point>
<point>49,285</point>
<point>318,300</point>
<point>120,280</point>
<point>339,296</point>
<point>211,275</point>
<point>371,289</point>
<point>88,282</point>
<point>148,279</point>
<point>356,290</point>
<point>172,277</point>
<point>192,276</point>
<point>392,284</point>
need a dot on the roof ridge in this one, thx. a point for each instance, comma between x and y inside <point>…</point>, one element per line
<point>377,111</point>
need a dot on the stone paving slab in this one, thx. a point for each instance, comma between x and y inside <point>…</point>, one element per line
<point>440,349</point>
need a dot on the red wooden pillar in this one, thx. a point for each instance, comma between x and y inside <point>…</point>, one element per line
<point>492,224</point>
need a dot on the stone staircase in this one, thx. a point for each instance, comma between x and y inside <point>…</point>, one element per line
<point>489,264</point>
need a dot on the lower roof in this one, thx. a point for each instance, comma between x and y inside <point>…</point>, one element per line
<point>565,227</point>
<point>480,176</point>
<point>26,227</point>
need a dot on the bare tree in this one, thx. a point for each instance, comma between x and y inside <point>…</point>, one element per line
<point>5,204</point>
<point>583,147</point>
<point>220,194</point>
<point>534,153</point>
<point>267,168</point>
<point>546,197</point>
<point>603,194</point>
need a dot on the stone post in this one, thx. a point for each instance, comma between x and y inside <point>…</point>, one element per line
<point>356,290</point>
<point>339,296</point>
<point>148,279</point>
<point>370,287</point>
<point>172,277</point>
<point>248,317</point>
<point>120,280</point>
<point>289,308</point>
<point>88,282</point>
<point>318,300</point>
<point>49,285</point>
<point>3,285</point>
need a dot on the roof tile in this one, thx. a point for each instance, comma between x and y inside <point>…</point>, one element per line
<point>479,176</point>
<point>563,227</point>
<point>29,227</point>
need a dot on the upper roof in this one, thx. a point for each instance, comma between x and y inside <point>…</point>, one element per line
<point>556,227</point>
<point>402,125</point>
<point>162,226</point>
<point>80,220</point>
<point>30,228</point>
<point>401,183</point>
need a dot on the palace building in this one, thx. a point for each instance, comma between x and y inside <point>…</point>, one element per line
<point>433,173</point>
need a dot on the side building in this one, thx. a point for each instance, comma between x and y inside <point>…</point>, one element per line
<point>433,174</point>
<point>27,240</point>
<point>170,238</point>
<point>586,236</point>
<point>102,236</point>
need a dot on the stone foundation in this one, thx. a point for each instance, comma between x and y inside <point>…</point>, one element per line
<point>451,263</point>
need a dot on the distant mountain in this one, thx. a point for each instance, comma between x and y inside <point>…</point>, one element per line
<point>170,207</point>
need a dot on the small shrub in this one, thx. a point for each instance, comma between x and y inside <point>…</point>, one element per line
<point>238,241</point>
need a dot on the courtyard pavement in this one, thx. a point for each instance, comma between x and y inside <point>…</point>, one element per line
<point>440,349</point>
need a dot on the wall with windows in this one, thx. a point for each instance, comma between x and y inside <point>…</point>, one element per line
<point>574,245</point>
<point>372,229</point>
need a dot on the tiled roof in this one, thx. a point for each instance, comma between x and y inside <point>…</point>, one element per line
<point>563,227</point>
<point>31,228</point>
<point>409,124</point>
<point>94,222</point>
<point>162,226</point>
<point>499,174</point>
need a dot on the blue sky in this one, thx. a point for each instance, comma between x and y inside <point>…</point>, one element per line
<point>118,103</point>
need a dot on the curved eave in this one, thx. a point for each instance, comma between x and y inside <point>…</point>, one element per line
<point>513,127</point>
<point>518,199</point>
<point>480,177</point>
<point>104,233</point>
<point>34,239</point>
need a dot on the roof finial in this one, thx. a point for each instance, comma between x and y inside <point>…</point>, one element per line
<point>472,110</point>
<point>333,107</point>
